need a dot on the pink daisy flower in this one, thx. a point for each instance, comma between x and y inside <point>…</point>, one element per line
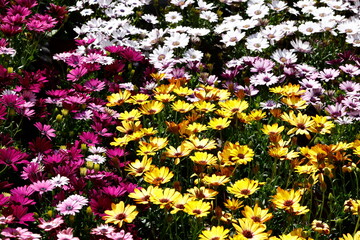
<point>45,130</point>
<point>66,234</point>
<point>42,186</point>
<point>50,225</point>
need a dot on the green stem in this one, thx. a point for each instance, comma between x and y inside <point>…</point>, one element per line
<point>357,225</point>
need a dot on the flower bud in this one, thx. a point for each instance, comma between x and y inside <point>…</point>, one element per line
<point>64,112</point>
<point>59,118</point>
<point>83,171</point>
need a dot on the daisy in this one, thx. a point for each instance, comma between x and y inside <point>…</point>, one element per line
<point>257,11</point>
<point>270,104</point>
<point>300,46</point>
<point>204,6</point>
<point>66,234</point>
<point>150,18</point>
<point>45,130</point>
<point>71,205</point>
<point>102,229</point>
<point>309,28</point>
<point>350,69</point>
<point>277,5</point>
<point>216,232</point>
<point>160,56</point>
<point>50,225</point>
<point>302,123</point>
<point>173,17</point>
<point>42,186</point>
<point>284,56</point>
<point>59,180</point>
<point>193,55</point>
<point>177,40</point>
<point>329,74</point>
<point>249,229</point>
<point>257,214</point>
<point>158,176</point>
<point>353,39</point>
<point>208,15</point>
<point>197,208</point>
<point>120,213</point>
<point>233,204</point>
<point>256,43</point>
<point>243,188</point>
<point>142,195</point>
<point>95,158</point>
<point>230,38</point>
<point>273,33</point>
<point>264,79</point>
<point>165,198</point>
<point>350,87</point>
<point>219,123</point>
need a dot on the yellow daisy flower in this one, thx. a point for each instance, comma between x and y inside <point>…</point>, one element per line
<point>219,123</point>
<point>116,99</point>
<point>142,196</point>
<point>215,180</point>
<point>133,115</point>
<point>138,167</point>
<point>182,106</point>
<point>250,230</point>
<point>350,237</point>
<point>233,204</point>
<point>139,98</point>
<point>120,214</point>
<point>234,105</point>
<point>151,107</point>
<point>203,106</point>
<point>243,188</point>
<point>303,124</point>
<point>157,176</point>
<point>215,233</point>
<point>129,127</point>
<point>202,193</point>
<point>257,214</point>
<point>204,158</point>
<point>165,198</point>
<point>197,208</point>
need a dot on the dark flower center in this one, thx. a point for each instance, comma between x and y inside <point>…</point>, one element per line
<point>247,234</point>
<point>288,203</point>
<point>120,216</point>
<point>245,192</point>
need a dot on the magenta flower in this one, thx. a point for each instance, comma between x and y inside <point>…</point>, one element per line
<point>76,73</point>
<point>27,3</point>
<point>89,138</point>
<point>42,186</point>
<point>45,130</point>
<point>3,200</point>
<point>40,145</point>
<point>113,191</point>
<point>12,157</point>
<point>21,215</point>
<point>3,112</point>
<point>94,85</point>
<point>41,23</point>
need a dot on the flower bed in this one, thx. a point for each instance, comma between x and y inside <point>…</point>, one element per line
<point>179,120</point>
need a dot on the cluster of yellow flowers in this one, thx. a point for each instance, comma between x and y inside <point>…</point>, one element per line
<point>167,125</point>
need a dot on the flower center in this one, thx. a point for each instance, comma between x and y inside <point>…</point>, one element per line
<point>248,234</point>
